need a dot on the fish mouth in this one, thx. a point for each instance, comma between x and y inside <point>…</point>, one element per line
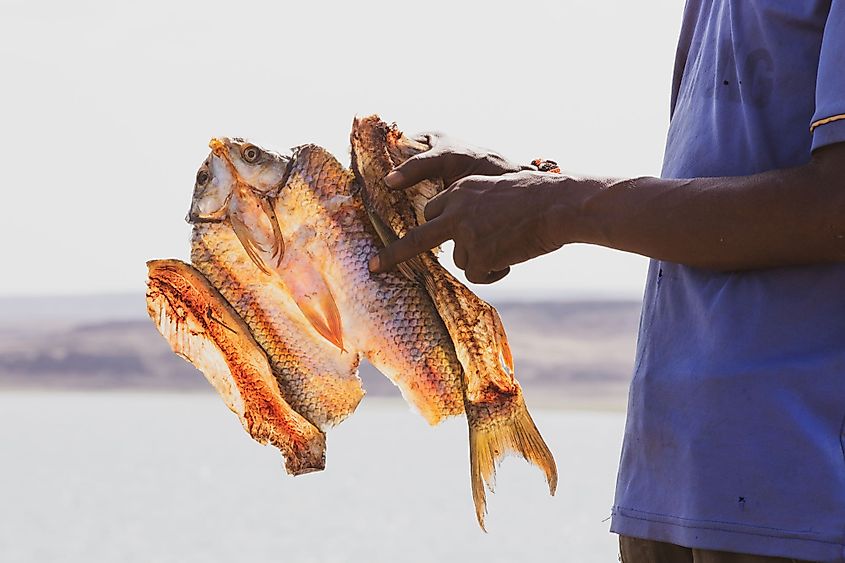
<point>197,219</point>
<point>220,148</point>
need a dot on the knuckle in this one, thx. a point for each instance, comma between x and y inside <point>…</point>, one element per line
<point>452,221</point>
<point>458,188</point>
<point>475,271</point>
<point>479,277</point>
<point>499,274</point>
<point>412,161</point>
<point>464,231</point>
<point>470,183</point>
<point>465,159</point>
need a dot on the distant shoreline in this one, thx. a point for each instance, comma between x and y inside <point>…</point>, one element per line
<point>536,403</point>
<point>568,354</point>
<point>97,307</point>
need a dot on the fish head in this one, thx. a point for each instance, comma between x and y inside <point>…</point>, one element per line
<point>262,169</point>
<point>233,162</point>
<point>222,194</point>
<point>213,188</point>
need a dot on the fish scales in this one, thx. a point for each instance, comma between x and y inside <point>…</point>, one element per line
<point>391,320</point>
<point>316,380</point>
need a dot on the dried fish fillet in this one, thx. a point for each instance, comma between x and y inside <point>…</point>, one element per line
<point>499,421</point>
<point>203,328</point>
<point>281,306</point>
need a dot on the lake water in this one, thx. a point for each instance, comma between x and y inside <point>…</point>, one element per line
<point>124,477</point>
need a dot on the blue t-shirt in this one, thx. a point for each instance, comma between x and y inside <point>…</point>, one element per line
<point>735,438</point>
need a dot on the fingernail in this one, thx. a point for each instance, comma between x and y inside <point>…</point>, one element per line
<point>374,264</point>
<point>393,178</point>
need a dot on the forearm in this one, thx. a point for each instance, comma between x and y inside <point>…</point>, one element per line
<point>777,218</point>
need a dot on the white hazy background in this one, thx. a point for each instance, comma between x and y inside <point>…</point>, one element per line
<point>106,109</point>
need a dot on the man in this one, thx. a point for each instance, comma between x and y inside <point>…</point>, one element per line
<point>734,447</point>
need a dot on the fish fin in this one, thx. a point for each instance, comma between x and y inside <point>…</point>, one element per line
<point>496,431</point>
<point>248,242</point>
<point>278,249</point>
<point>203,328</point>
<point>384,232</point>
<point>505,354</point>
<point>309,289</point>
<point>263,242</point>
<point>413,268</point>
<point>324,317</point>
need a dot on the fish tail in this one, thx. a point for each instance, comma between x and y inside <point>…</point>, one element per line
<point>499,429</point>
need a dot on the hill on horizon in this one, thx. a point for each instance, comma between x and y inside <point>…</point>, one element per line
<point>566,353</point>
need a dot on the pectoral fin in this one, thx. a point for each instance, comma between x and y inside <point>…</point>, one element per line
<point>257,227</point>
<point>278,248</point>
<point>251,246</point>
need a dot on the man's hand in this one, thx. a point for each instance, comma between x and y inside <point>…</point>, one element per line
<point>778,218</point>
<point>448,160</point>
<point>495,221</point>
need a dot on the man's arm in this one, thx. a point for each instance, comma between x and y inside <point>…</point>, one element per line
<point>778,218</point>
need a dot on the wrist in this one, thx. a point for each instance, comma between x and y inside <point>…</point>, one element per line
<point>573,210</point>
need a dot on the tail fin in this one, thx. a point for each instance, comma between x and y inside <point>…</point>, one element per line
<point>496,431</point>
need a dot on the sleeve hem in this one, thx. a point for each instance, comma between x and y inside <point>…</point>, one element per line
<point>828,131</point>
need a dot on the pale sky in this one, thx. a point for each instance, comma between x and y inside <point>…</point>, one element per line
<point>106,110</point>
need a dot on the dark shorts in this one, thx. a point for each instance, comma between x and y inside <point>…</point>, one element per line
<point>636,550</point>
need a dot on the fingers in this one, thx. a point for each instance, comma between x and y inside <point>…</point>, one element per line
<point>436,205</point>
<point>476,276</point>
<point>418,240</point>
<point>460,257</point>
<point>424,166</point>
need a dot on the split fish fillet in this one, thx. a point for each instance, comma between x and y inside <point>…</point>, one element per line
<point>202,328</point>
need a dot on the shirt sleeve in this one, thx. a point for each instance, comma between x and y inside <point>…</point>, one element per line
<point>828,124</point>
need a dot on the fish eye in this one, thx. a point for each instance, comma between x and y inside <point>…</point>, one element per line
<point>250,153</point>
<point>202,177</point>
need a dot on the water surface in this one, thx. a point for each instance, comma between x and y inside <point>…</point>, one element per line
<point>172,477</point>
